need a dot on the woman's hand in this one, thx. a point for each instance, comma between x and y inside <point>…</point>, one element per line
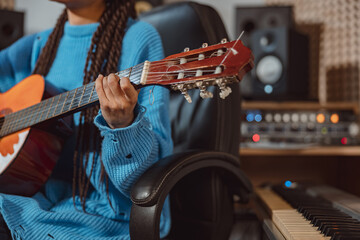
<point>117,100</point>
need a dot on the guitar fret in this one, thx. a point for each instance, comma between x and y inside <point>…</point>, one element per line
<point>52,101</point>
<point>64,103</point>
<point>6,125</point>
<point>22,117</point>
<point>82,95</point>
<point>92,91</point>
<point>2,126</point>
<point>27,119</point>
<point>130,70</point>
<point>34,114</point>
<point>131,77</point>
<point>12,122</point>
<point>40,111</point>
<point>45,108</point>
<point>94,97</point>
<point>74,100</point>
<point>67,94</point>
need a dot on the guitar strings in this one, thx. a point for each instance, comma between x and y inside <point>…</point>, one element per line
<point>137,72</point>
<point>30,119</point>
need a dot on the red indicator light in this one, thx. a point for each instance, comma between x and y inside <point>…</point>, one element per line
<point>344,140</point>
<point>256,137</point>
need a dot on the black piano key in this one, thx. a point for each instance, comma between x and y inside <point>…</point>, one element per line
<point>349,238</point>
<point>314,216</point>
<point>303,208</point>
<point>345,236</point>
<point>328,211</point>
<point>327,227</point>
<point>332,231</point>
<point>317,221</point>
<point>337,223</point>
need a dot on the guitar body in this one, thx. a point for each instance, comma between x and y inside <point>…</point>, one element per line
<point>27,157</point>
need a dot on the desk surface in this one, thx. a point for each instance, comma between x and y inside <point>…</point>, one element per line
<point>310,151</point>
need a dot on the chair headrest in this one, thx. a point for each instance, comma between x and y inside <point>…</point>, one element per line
<point>208,124</point>
<point>186,24</point>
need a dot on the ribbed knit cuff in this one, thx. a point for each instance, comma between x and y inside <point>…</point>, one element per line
<point>105,129</point>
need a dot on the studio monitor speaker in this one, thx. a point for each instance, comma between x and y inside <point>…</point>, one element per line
<point>11,27</point>
<point>281,70</point>
<point>250,19</point>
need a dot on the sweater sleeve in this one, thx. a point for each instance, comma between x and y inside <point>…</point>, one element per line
<point>128,152</point>
<point>15,62</point>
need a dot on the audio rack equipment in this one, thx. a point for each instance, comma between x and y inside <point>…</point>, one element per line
<point>298,125</point>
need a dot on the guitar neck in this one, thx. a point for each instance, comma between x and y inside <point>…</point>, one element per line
<point>219,64</point>
<point>61,105</point>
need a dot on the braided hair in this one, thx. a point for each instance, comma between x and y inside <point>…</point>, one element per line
<point>103,57</point>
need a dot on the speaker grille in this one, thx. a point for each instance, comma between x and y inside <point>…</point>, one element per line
<point>333,27</point>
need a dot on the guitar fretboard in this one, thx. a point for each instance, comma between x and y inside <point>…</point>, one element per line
<point>59,105</point>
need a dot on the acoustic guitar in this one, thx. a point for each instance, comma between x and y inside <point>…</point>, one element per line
<point>30,143</point>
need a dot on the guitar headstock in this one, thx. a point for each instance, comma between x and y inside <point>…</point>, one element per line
<point>220,64</point>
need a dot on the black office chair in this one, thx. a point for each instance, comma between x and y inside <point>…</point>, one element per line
<point>203,174</point>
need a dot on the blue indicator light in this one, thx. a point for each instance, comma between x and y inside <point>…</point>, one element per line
<point>250,117</point>
<point>258,117</point>
<point>288,183</point>
<point>268,89</point>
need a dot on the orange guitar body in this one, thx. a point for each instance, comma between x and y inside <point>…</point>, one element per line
<point>27,157</point>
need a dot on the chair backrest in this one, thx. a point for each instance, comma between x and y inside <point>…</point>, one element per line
<point>209,124</point>
<point>201,204</point>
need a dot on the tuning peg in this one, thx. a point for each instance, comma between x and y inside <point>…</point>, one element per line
<point>183,89</point>
<point>218,70</point>
<point>186,96</point>
<point>186,49</point>
<point>205,94</point>
<point>183,60</point>
<point>225,91</point>
<point>204,45</point>
<point>220,52</point>
<point>224,40</point>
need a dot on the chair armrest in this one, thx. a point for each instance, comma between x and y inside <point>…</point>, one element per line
<point>149,192</point>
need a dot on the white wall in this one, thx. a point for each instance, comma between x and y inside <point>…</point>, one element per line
<point>39,14</point>
<point>226,10</point>
<point>42,14</point>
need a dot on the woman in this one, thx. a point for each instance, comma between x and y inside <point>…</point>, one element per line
<point>87,195</point>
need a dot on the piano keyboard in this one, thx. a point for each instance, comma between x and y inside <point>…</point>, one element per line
<point>298,215</point>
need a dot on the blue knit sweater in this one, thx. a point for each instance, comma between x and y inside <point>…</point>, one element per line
<point>51,215</point>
